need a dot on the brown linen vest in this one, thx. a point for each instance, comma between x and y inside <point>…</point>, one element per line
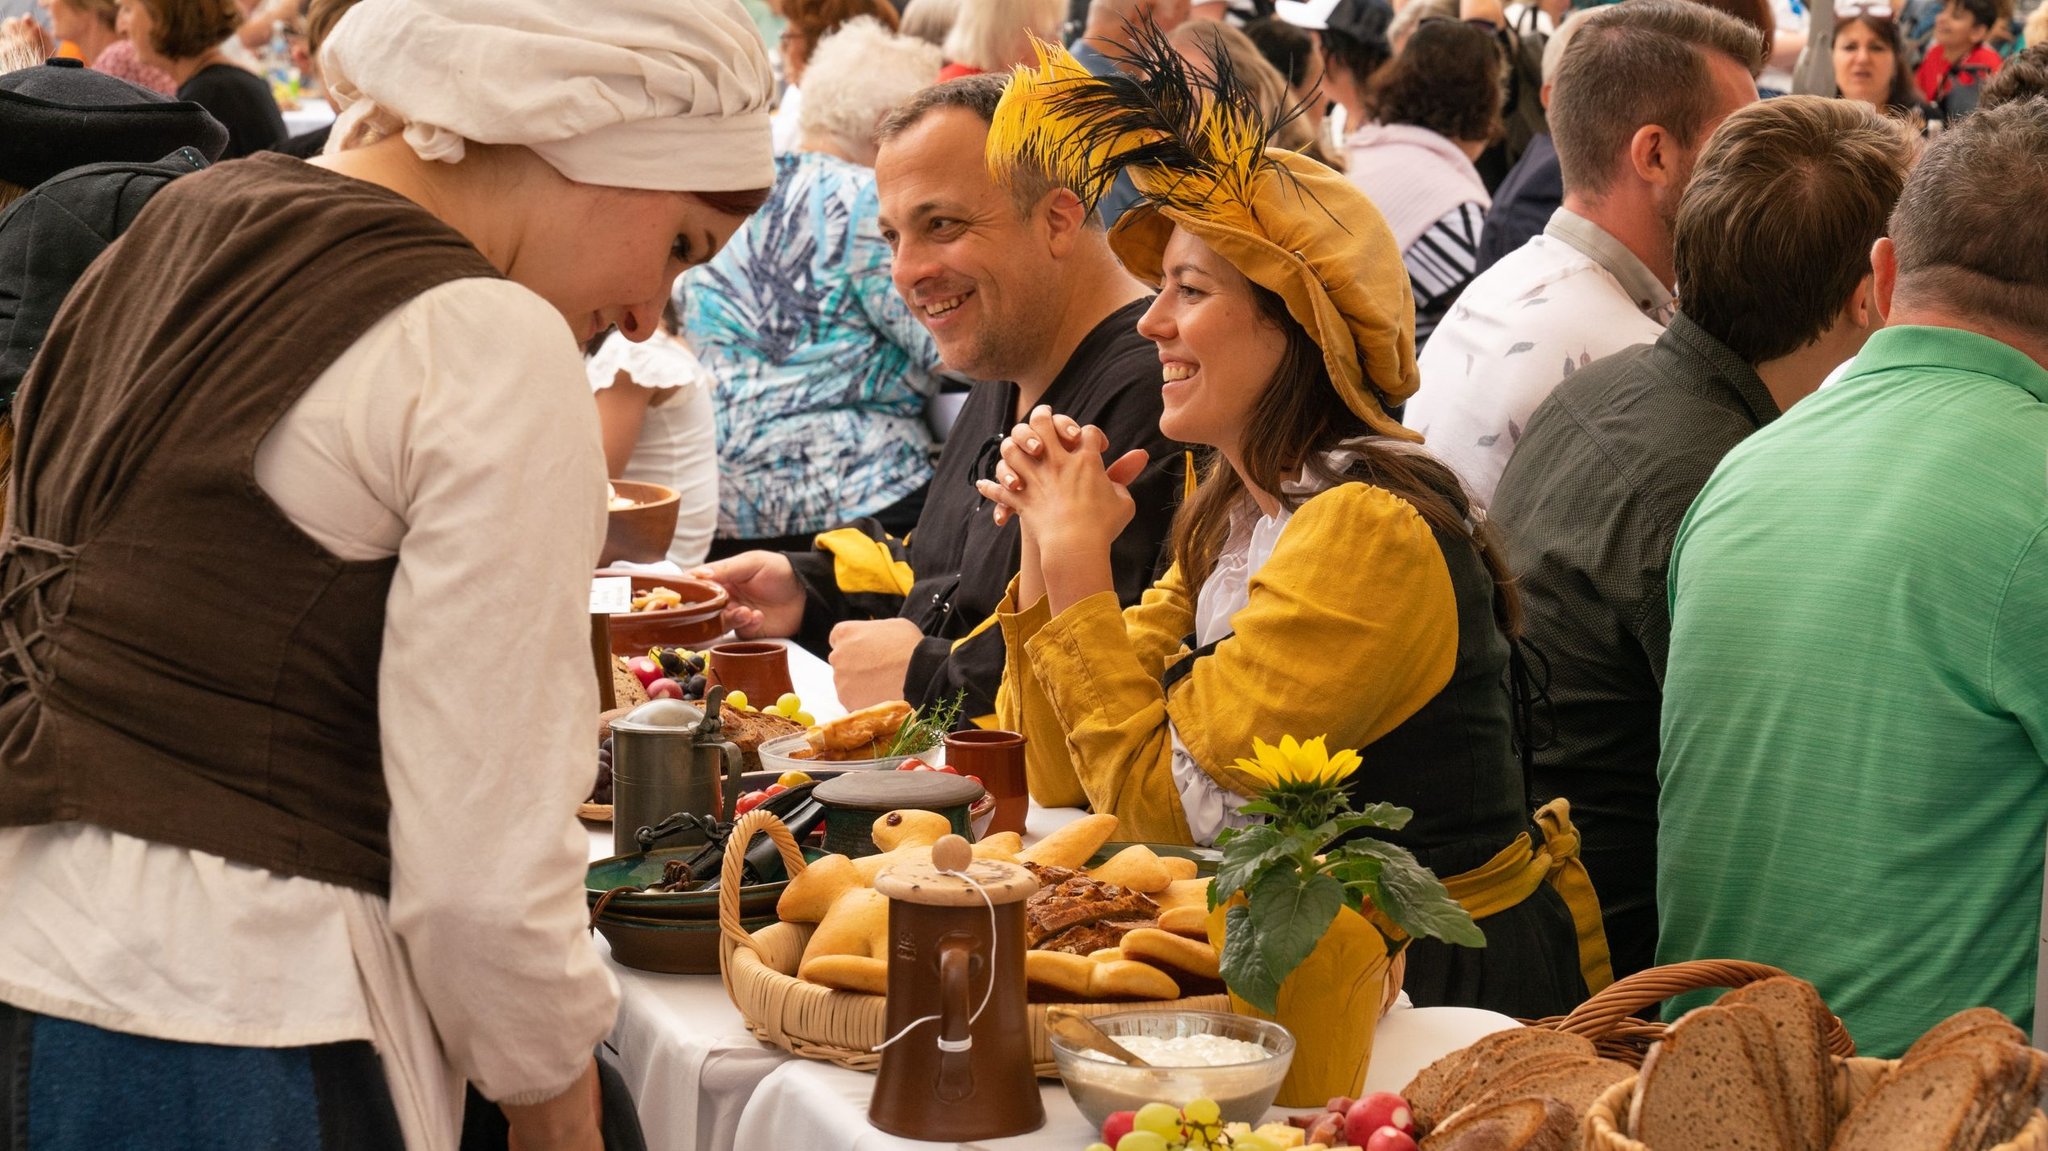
<point>178,660</point>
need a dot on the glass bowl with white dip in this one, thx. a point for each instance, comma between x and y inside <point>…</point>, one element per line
<point>1235,1060</point>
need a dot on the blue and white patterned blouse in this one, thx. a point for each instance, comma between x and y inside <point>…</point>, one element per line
<point>823,372</point>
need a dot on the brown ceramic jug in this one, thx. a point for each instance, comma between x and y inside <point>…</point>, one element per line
<point>956,1077</point>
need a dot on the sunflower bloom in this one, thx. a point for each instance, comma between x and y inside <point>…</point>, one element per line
<point>1293,764</point>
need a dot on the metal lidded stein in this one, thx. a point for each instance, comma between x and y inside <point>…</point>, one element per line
<point>668,757</point>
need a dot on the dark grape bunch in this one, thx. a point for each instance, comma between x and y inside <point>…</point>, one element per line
<point>602,793</point>
<point>675,669</point>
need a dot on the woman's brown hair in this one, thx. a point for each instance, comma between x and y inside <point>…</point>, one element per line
<point>810,21</point>
<point>190,28</point>
<point>1297,419</point>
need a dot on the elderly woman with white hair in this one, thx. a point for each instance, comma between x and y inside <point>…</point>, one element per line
<point>995,35</point>
<point>823,372</point>
<point>309,464</point>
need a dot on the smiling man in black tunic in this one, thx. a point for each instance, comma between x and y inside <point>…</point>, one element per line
<point>1018,289</point>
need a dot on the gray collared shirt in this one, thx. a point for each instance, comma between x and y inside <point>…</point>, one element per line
<point>1600,246</point>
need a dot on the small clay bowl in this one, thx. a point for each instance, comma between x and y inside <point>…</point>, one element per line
<point>700,620</point>
<point>642,533</point>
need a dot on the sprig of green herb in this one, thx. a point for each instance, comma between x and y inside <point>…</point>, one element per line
<point>926,728</point>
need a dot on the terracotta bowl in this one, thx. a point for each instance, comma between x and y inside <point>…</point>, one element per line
<point>699,621</point>
<point>642,533</point>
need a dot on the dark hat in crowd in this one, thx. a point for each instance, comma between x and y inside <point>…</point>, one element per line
<point>60,115</point>
<point>1362,20</point>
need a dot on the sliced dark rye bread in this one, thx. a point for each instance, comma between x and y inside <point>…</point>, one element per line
<point>1516,1125</point>
<point>1799,1021</point>
<point>1437,1090</point>
<point>1575,1082</point>
<point>1971,1023</point>
<point>1763,1046</point>
<point>1937,1102</point>
<point>1701,1088</point>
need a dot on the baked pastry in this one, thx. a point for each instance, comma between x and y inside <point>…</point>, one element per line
<point>856,734</point>
<point>1058,976</point>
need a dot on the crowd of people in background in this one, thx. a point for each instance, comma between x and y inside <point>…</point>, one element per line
<point>1622,424</point>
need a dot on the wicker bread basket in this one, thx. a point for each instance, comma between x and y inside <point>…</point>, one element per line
<point>815,1022</point>
<point>1607,1121</point>
<point>1608,1019</point>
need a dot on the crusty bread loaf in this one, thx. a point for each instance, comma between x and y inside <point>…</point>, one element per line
<point>1799,1021</point>
<point>1517,1125</point>
<point>1449,1083</point>
<point>1700,1088</point>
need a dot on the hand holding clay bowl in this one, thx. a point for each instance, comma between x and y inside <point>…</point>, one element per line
<point>699,619</point>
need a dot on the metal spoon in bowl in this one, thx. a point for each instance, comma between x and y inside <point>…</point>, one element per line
<point>1079,1031</point>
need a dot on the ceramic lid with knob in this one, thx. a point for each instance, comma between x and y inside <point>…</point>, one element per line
<point>928,881</point>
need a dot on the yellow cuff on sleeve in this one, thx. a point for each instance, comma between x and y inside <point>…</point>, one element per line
<point>864,566</point>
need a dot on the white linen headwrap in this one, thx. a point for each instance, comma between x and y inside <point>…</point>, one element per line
<point>670,95</point>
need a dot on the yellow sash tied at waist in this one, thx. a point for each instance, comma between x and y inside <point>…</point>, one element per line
<point>1514,875</point>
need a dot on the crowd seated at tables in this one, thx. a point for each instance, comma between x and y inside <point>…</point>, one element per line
<point>1641,469</point>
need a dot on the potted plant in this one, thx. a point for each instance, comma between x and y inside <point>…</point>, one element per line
<point>1308,910</point>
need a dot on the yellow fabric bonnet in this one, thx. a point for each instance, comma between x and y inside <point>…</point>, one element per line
<point>1195,148</point>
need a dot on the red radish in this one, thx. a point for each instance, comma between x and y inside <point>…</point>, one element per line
<point>1390,1139</point>
<point>1380,1109</point>
<point>664,688</point>
<point>1117,1125</point>
<point>645,669</point>
<point>916,764</point>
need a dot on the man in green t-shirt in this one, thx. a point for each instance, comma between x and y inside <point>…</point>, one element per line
<point>1854,770</point>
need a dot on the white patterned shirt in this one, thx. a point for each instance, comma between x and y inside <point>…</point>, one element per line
<point>1547,309</point>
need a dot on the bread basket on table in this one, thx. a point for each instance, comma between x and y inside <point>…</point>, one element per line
<point>1609,1020</point>
<point>817,1022</point>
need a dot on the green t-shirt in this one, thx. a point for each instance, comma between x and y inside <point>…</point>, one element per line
<point>1852,780</point>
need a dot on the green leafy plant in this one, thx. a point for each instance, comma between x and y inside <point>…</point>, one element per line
<point>926,728</point>
<point>1308,861</point>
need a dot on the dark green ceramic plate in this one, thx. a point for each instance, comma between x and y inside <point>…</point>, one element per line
<point>643,868</point>
<point>1206,858</point>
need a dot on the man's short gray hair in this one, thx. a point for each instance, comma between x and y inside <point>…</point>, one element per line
<point>857,75</point>
<point>1969,230</point>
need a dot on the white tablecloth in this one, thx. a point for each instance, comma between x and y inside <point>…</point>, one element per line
<point>702,1083</point>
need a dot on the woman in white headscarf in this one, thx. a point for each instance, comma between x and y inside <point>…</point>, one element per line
<point>310,467</point>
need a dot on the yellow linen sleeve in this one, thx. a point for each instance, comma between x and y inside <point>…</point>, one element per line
<point>1349,629</point>
<point>1148,633</point>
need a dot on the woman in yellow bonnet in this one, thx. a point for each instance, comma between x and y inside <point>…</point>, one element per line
<point>1329,577</point>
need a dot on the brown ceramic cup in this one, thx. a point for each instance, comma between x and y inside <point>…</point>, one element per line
<point>996,758</point>
<point>759,669</point>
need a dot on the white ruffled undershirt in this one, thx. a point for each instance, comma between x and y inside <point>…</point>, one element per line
<point>1209,806</point>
